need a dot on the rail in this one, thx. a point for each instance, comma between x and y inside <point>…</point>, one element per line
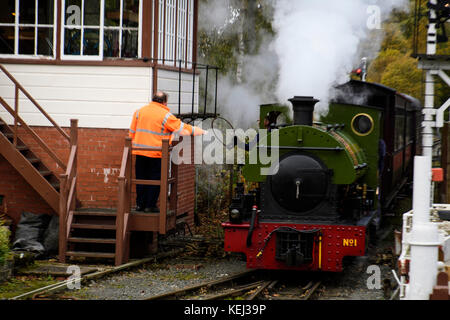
<point>18,120</point>
<point>126,183</point>
<point>68,191</point>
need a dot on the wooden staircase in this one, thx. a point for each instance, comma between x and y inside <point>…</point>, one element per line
<point>21,157</point>
<point>32,169</point>
<point>91,233</point>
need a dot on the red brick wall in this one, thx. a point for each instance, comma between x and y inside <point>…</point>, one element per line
<point>18,195</point>
<point>99,160</point>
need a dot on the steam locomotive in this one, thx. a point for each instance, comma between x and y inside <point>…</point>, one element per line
<point>333,181</point>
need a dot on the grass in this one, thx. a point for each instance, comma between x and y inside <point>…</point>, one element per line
<point>19,285</point>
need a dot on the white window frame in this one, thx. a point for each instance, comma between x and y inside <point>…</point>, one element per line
<point>16,26</point>
<point>190,35</point>
<point>181,29</point>
<point>121,28</point>
<point>167,39</point>
<point>82,27</point>
<point>101,28</point>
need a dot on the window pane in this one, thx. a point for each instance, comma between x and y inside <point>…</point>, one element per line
<point>111,43</point>
<point>7,40</point>
<point>72,41</point>
<point>92,13</point>
<point>112,13</point>
<point>45,41</point>
<point>26,40</point>
<point>73,12</point>
<point>131,13</point>
<point>7,14</point>
<point>91,42</point>
<point>27,11</point>
<point>45,12</point>
<point>129,44</point>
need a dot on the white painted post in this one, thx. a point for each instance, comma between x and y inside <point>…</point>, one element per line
<point>424,239</point>
<point>429,111</point>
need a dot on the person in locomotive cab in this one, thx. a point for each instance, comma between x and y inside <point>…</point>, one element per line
<point>150,125</point>
<point>381,155</point>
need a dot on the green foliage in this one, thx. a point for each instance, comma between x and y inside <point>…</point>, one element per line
<point>403,75</point>
<point>22,284</point>
<point>379,65</point>
<point>219,46</point>
<point>217,50</point>
<point>5,252</point>
<point>395,67</point>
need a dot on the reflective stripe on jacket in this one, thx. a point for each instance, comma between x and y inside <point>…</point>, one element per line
<point>153,123</point>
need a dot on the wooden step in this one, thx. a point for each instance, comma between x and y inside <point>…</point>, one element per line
<point>95,213</point>
<point>33,160</point>
<point>55,185</point>
<point>92,240</point>
<point>45,173</point>
<point>93,226</point>
<point>22,148</point>
<point>90,254</point>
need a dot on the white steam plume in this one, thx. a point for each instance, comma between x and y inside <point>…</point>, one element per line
<point>317,43</point>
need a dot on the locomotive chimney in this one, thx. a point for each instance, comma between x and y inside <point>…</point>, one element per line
<point>303,110</point>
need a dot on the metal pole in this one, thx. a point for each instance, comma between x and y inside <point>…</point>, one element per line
<point>215,98</point>
<point>206,89</point>
<point>424,239</point>
<point>428,124</point>
<point>179,89</point>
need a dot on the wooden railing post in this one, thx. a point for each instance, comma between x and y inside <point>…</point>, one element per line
<point>164,186</point>
<point>73,132</point>
<point>120,222</point>
<point>16,115</point>
<point>124,204</point>
<point>74,142</point>
<point>62,218</point>
<point>129,174</point>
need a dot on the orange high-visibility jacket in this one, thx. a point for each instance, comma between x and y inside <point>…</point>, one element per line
<point>153,123</point>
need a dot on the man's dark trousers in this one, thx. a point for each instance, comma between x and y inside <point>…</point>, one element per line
<point>147,169</point>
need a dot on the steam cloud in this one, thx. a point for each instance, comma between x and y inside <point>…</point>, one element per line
<point>317,44</point>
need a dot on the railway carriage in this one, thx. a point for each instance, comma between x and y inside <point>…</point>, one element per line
<point>332,183</point>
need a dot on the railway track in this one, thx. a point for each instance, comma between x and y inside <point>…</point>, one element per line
<point>50,292</point>
<point>247,285</point>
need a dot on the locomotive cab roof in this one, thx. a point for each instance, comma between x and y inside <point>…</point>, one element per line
<point>370,94</point>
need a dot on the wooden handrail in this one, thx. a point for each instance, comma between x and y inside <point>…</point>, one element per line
<point>125,187</point>
<point>17,119</point>
<point>19,87</point>
<point>68,192</point>
<point>33,134</point>
<point>124,205</point>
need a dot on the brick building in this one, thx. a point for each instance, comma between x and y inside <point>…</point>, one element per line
<point>96,61</point>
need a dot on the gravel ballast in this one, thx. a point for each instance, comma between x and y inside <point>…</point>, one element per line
<point>155,279</point>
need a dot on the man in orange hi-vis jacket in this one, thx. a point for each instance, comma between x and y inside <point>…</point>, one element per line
<point>150,125</point>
